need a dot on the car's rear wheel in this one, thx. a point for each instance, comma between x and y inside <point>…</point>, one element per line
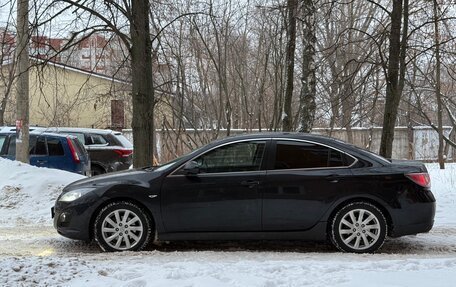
<point>359,227</point>
<point>122,226</point>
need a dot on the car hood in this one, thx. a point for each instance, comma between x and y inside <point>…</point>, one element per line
<point>133,176</point>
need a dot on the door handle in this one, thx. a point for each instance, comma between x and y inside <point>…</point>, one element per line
<point>41,161</point>
<point>250,183</point>
<point>333,178</point>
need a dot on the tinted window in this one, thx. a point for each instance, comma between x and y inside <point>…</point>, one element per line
<point>40,147</point>
<point>2,141</point>
<point>124,141</point>
<point>97,139</point>
<point>292,155</point>
<point>244,156</point>
<point>55,147</point>
<point>12,146</point>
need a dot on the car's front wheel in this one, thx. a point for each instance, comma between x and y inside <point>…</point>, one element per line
<point>359,227</point>
<point>122,226</point>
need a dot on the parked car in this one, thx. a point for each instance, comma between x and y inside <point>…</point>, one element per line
<point>264,186</point>
<point>109,150</point>
<point>49,150</point>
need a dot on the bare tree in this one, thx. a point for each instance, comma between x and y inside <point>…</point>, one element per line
<point>308,81</point>
<point>438,84</point>
<point>22,102</point>
<point>292,9</point>
<point>395,73</point>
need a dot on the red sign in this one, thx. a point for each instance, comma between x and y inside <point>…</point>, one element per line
<point>18,124</point>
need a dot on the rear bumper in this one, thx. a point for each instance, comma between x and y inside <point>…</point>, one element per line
<point>416,218</point>
<point>412,229</point>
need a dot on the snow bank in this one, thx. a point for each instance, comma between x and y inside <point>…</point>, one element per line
<point>444,189</point>
<point>27,193</point>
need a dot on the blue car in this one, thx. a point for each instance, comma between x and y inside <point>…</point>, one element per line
<point>49,150</point>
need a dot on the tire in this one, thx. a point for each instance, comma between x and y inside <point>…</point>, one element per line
<point>112,233</point>
<point>359,227</point>
<point>96,170</point>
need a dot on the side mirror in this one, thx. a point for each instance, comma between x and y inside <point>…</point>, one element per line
<point>191,168</point>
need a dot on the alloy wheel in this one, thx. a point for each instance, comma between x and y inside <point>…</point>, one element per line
<point>122,229</point>
<point>359,229</point>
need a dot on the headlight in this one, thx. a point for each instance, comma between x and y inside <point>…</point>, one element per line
<point>74,194</point>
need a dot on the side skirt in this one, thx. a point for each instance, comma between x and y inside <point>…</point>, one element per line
<point>317,233</point>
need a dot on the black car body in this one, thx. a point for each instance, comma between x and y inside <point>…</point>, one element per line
<point>263,186</point>
<point>109,150</point>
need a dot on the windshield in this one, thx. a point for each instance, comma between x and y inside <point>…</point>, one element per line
<point>174,161</point>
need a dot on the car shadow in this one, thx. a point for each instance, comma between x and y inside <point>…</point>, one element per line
<point>400,246</point>
<point>235,246</point>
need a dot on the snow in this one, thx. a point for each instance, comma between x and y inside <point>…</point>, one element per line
<point>33,254</point>
<point>27,193</point>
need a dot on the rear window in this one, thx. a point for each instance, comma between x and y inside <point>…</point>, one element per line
<point>55,147</point>
<point>123,140</point>
<point>97,140</point>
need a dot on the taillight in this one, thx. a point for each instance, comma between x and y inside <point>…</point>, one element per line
<point>421,179</point>
<point>75,155</point>
<point>124,152</point>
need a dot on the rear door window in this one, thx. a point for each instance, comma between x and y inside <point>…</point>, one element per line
<point>40,147</point>
<point>299,155</point>
<point>55,147</point>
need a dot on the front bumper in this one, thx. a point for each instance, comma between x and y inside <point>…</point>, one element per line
<point>73,220</point>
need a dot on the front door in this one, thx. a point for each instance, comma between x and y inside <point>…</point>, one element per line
<point>223,196</point>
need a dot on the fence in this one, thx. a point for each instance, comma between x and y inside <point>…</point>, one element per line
<point>417,143</point>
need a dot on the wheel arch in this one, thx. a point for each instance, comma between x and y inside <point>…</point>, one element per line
<point>118,199</point>
<point>99,165</point>
<point>380,204</point>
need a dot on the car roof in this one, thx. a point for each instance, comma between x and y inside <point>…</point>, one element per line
<point>81,130</point>
<point>34,132</point>
<point>284,135</point>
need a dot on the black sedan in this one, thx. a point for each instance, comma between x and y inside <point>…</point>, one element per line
<point>265,186</point>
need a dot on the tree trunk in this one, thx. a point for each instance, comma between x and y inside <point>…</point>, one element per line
<point>393,90</point>
<point>308,89</point>
<point>142,85</point>
<point>437,86</point>
<point>22,104</point>
<point>292,8</point>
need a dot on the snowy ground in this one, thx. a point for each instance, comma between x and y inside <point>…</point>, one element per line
<point>32,254</point>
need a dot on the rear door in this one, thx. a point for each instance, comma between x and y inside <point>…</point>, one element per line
<point>301,182</point>
<point>38,151</point>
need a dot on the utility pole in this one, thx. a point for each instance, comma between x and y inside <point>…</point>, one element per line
<point>22,104</point>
